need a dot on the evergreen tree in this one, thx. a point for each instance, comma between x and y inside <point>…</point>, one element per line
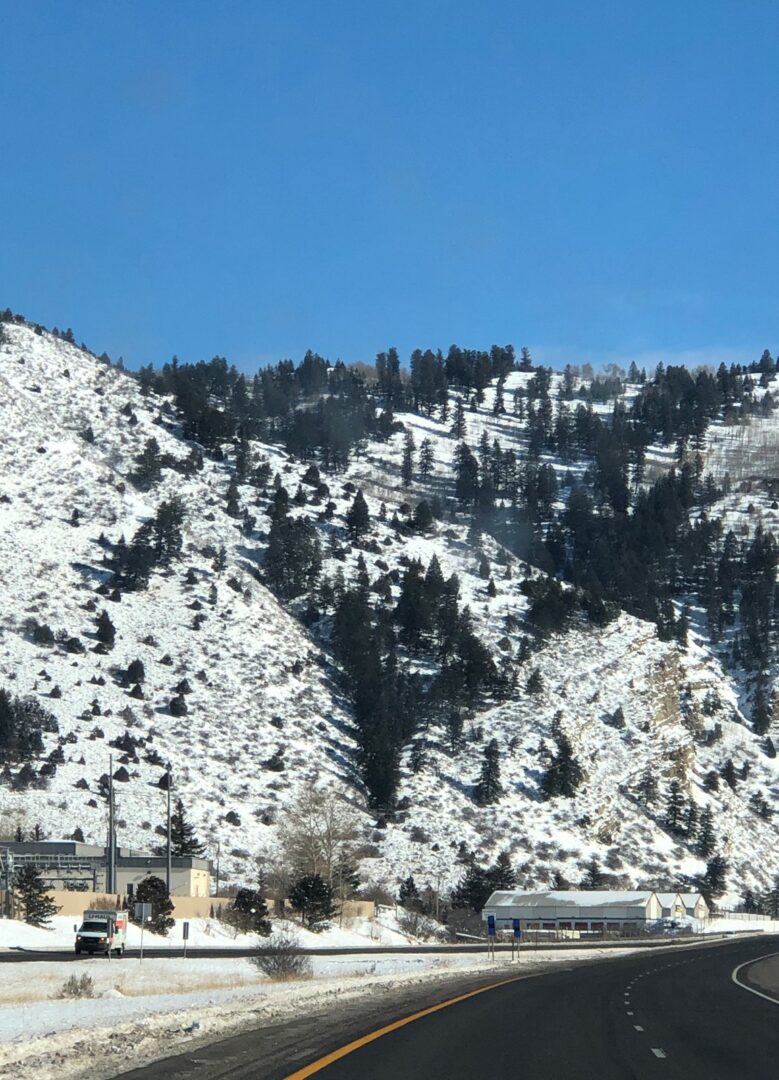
<point>407,465</point>
<point>148,465</point>
<point>474,889</point>
<point>502,874</point>
<point>706,836</point>
<point>408,894</point>
<point>673,819</point>
<point>729,774</point>
<point>690,823</point>
<point>593,876</point>
<point>293,559</point>
<point>233,507</point>
<point>488,787</point>
<point>312,896</point>
<point>713,883</point>
<point>564,773</point>
<point>422,520</point>
<point>252,911</point>
<point>466,475</point>
<point>426,458</point>
<point>771,900</point>
<point>153,890</point>
<point>358,520</point>
<point>458,421</point>
<point>106,631</point>
<point>183,840</point>
<point>32,895</point>
<point>647,788</point>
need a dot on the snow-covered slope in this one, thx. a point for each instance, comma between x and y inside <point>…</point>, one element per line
<point>261,683</point>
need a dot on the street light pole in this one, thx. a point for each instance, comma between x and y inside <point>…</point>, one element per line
<point>168,864</point>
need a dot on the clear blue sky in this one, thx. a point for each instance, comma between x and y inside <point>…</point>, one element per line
<point>252,179</point>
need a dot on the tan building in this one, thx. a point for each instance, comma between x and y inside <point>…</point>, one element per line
<point>72,866</point>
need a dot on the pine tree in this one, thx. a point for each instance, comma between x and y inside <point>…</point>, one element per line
<point>593,877</point>
<point>473,890</point>
<point>771,900</point>
<point>233,507</point>
<point>32,895</point>
<point>250,905</point>
<point>106,631</point>
<point>313,898</point>
<point>647,788</point>
<point>183,840</point>
<point>407,466</point>
<point>426,458</point>
<point>502,874</point>
<point>729,774</point>
<point>153,890</point>
<point>713,883</point>
<point>564,773</point>
<point>673,819</point>
<point>706,836</point>
<point>690,823</point>
<point>358,520</point>
<point>148,465</point>
<point>408,894</point>
<point>458,421</point>
<point>488,787</point>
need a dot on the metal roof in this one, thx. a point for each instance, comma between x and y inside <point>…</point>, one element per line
<point>569,898</point>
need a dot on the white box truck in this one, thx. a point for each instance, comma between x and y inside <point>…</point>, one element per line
<point>102,932</point>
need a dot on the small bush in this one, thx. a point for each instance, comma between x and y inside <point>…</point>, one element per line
<point>77,987</point>
<point>281,959</point>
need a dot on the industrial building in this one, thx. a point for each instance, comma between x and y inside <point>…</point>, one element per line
<point>70,865</point>
<point>582,910</point>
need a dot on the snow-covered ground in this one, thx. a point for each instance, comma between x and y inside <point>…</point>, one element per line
<point>261,684</point>
<point>355,933</point>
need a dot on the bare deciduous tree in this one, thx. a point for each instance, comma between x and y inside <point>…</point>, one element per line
<point>319,834</point>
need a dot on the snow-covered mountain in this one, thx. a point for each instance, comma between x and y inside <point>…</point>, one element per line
<point>266,717</point>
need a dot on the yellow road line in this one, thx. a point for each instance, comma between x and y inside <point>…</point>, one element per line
<point>342,1051</point>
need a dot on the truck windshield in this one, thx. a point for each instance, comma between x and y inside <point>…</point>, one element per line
<point>94,928</point>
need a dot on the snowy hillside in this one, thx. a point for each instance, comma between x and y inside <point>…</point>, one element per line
<point>265,714</point>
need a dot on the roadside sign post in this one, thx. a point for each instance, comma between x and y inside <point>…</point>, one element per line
<point>185,932</point>
<point>516,938</point>
<point>142,912</point>
<point>491,932</point>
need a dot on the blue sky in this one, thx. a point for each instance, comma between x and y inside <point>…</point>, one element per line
<point>600,180</point>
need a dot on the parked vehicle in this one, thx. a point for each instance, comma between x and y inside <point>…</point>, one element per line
<point>102,932</point>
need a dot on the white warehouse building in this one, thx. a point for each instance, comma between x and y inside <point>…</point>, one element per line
<point>580,909</point>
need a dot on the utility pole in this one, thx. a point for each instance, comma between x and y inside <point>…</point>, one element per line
<point>168,864</point>
<point>217,868</point>
<point>110,884</point>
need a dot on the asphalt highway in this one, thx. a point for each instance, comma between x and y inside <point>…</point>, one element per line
<point>21,955</point>
<point>677,1014</point>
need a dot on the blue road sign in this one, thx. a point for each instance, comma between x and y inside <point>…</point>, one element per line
<point>491,925</point>
<point>517,931</point>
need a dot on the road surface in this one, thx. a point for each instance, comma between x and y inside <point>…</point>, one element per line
<point>671,1015</point>
<point>21,955</point>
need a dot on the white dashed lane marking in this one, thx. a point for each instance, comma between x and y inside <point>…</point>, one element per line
<point>638,1027</point>
<point>658,1052</point>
